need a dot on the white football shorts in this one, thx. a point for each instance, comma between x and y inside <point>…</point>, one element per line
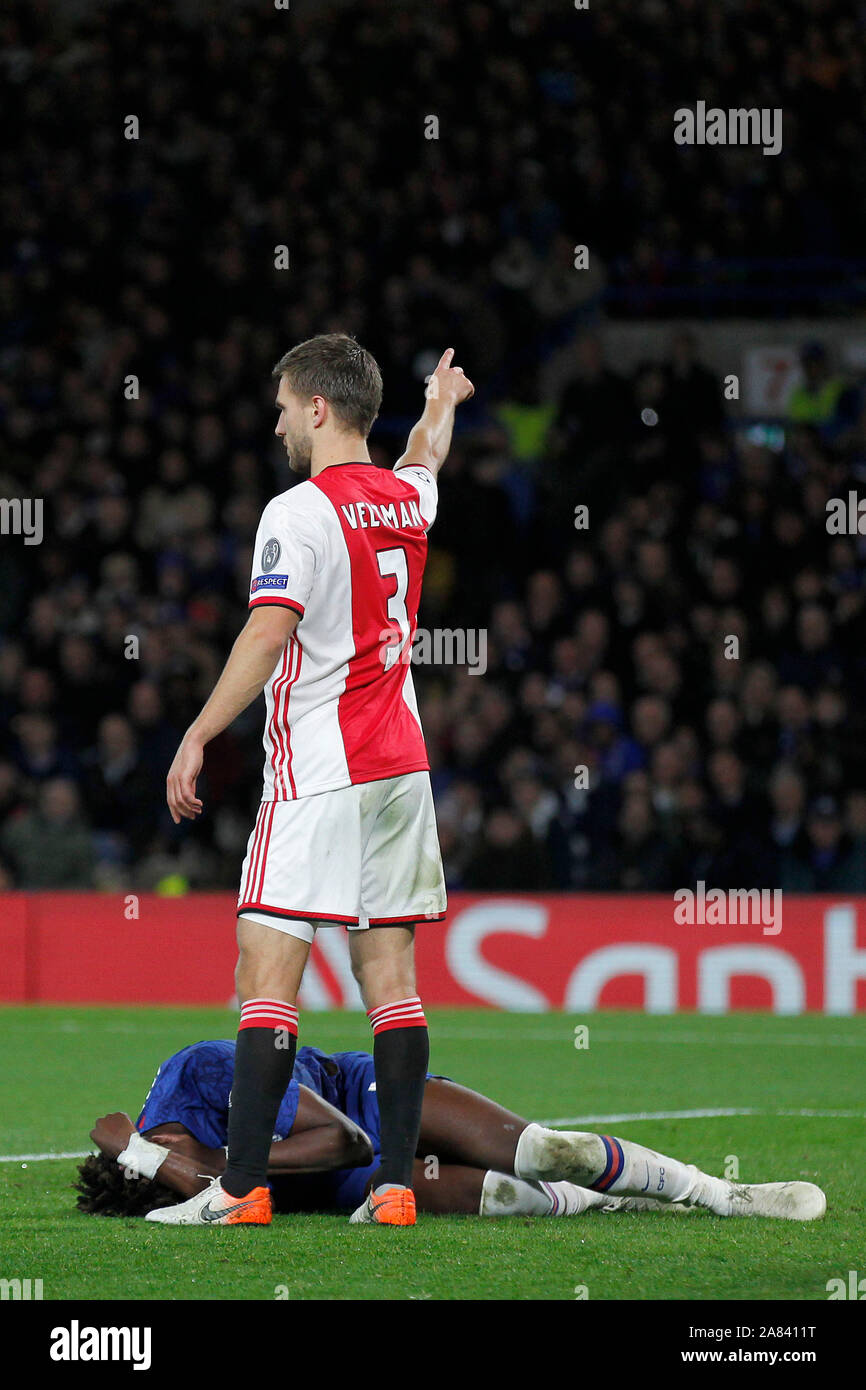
<point>361,856</point>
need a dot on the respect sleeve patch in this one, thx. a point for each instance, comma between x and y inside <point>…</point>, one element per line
<point>269,581</point>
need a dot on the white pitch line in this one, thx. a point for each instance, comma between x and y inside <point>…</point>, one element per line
<point>685,1039</point>
<point>643,1115</point>
<point>570,1120</point>
<point>551,1035</point>
<point>40,1158</point>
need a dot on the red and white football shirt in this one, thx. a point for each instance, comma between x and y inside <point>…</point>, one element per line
<point>346,550</point>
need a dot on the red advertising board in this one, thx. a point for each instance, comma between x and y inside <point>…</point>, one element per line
<point>509,951</point>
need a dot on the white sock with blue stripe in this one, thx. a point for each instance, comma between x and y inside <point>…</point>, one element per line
<point>504,1195</point>
<point>605,1164</point>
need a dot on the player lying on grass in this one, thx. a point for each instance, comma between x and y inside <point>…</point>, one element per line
<point>473,1156</point>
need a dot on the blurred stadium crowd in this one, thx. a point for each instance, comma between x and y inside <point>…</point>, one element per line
<point>155,258</point>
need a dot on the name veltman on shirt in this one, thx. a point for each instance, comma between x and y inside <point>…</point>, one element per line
<point>346,550</point>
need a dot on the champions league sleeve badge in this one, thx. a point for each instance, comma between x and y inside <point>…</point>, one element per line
<point>270,554</point>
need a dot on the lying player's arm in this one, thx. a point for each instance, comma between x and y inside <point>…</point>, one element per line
<point>252,660</point>
<point>321,1139</point>
<point>187,1167</point>
<point>430,440</point>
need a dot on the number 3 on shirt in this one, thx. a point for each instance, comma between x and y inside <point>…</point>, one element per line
<point>393,562</point>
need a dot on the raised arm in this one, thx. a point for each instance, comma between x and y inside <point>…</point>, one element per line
<point>430,440</point>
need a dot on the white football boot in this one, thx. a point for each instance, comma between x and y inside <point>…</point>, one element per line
<point>786,1201</point>
<point>214,1207</point>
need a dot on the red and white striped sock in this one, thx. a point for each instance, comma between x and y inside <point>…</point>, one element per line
<point>401,1051</point>
<point>404,1013</point>
<point>264,1061</point>
<point>269,1013</point>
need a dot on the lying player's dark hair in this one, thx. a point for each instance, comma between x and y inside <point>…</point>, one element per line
<point>104,1190</point>
<point>335,366</point>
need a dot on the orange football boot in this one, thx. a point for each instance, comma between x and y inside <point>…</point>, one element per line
<point>393,1207</point>
<point>215,1207</point>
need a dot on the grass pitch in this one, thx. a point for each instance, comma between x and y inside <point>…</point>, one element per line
<point>794,1086</point>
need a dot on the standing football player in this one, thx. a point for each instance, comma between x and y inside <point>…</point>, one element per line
<point>346,831</point>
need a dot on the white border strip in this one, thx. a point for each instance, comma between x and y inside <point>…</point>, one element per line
<point>569,1121</point>
<point>605,1035</point>
<point>40,1158</point>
